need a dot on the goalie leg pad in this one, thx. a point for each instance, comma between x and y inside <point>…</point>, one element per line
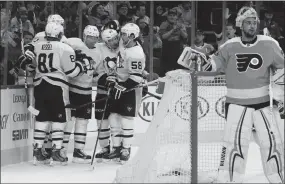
<point>67,132</point>
<point>127,124</point>
<point>116,129</point>
<point>40,132</point>
<point>236,141</point>
<point>57,134</point>
<point>271,145</point>
<point>104,135</point>
<point>80,133</point>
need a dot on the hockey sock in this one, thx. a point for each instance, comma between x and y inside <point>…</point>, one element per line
<point>116,129</point>
<point>57,134</point>
<point>128,131</point>
<point>80,133</point>
<point>40,132</point>
<point>104,135</point>
<point>67,132</point>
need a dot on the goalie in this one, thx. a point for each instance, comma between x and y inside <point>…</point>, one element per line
<point>247,62</point>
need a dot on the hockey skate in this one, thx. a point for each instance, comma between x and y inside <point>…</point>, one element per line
<point>40,156</point>
<point>114,155</point>
<point>104,151</point>
<point>79,156</point>
<point>58,156</point>
<point>125,155</point>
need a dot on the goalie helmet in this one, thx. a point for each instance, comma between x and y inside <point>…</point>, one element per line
<point>91,31</point>
<point>245,12</point>
<point>56,18</point>
<point>131,29</point>
<point>54,30</point>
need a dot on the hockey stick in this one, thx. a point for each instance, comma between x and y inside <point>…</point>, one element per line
<point>99,130</point>
<point>71,106</point>
<point>26,71</point>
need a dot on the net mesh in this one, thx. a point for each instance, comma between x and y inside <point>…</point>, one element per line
<point>166,152</point>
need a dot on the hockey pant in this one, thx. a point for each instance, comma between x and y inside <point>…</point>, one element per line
<point>237,136</point>
<point>122,130</point>
<point>80,132</point>
<point>56,133</point>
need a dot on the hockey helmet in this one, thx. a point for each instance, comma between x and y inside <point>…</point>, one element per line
<point>54,30</point>
<point>56,18</point>
<point>131,29</point>
<point>245,12</point>
<point>90,30</point>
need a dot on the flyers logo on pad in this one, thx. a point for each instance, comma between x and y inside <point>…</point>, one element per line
<point>245,61</point>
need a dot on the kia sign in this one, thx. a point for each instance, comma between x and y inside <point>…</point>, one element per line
<point>148,108</point>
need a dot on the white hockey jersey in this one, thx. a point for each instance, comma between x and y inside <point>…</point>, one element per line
<point>55,60</point>
<point>107,62</point>
<point>82,84</point>
<point>247,68</point>
<point>131,64</point>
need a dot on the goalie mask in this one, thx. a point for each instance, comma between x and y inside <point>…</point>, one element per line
<point>90,35</point>
<point>245,12</point>
<point>129,32</point>
<point>111,38</point>
<point>54,30</point>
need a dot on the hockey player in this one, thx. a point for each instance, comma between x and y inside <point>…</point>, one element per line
<point>247,62</point>
<point>109,50</point>
<point>55,61</point>
<point>81,93</point>
<point>51,18</point>
<point>128,74</point>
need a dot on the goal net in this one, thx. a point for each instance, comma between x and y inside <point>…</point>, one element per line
<point>183,141</point>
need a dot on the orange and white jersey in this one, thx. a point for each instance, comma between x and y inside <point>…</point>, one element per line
<point>82,84</point>
<point>55,61</point>
<point>41,37</point>
<point>131,64</point>
<point>247,68</point>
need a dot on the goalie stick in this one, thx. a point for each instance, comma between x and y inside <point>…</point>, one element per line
<point>71,106</point>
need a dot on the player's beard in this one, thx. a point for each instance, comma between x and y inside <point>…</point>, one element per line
<point>249,34</point>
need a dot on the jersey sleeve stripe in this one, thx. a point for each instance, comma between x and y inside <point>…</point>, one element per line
<point>70,71</point>
<point>136,74</point>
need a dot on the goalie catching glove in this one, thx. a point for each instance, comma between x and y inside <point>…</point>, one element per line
<point>190,57</point>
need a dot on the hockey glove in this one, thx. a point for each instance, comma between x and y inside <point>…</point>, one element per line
<point>190,57</point>
<point>116,91</point>
<point>111,81</point>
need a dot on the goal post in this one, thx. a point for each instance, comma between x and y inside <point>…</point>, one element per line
<point>184,139</point>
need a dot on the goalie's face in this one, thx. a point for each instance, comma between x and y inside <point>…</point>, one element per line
<point>249,27</point>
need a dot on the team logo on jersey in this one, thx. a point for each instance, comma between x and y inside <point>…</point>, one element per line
<point>110,64</point>
<point>245,61</point>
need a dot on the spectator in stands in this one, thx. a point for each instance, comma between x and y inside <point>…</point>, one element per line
<point>173,36</point>
<point>98,17</point>
<point>201,46</point>
<point>230,33</point>
<point>186,18</point>
<point>158,16</point>
<point>271,28</point>
<point>141,13</point>
<point>73,27</point>
<point>28,37</point>
<point>31,13</point>
<point>123,15</point>
<point>43,16</point>
<point>22,18</point>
